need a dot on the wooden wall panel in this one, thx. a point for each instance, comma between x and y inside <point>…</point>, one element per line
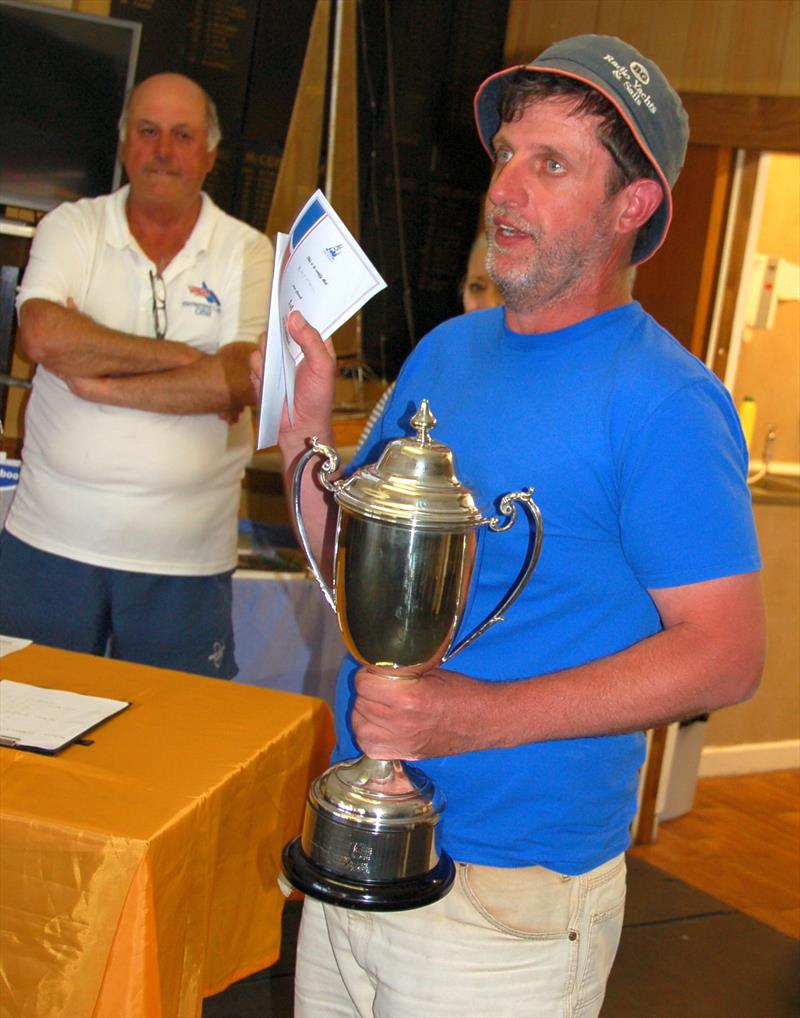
<point>736,47</point>
<point>678,285</point>
<point>663,28</point>
<point>770,122</point>
<point>532,26</point>
<point>790,70</point>
<point>647,24</point>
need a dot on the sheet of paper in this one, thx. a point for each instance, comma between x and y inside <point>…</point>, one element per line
<point>322,272</point>
<point>273,388</point>
<point>33,717</point>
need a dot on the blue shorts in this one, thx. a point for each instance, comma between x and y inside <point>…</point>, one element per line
<point>178,622</point>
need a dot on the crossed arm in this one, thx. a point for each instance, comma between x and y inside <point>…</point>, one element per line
<point>709,654</point>
<point>104,365</point>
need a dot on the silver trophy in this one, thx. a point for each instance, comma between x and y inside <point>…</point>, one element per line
<point>405,548</point>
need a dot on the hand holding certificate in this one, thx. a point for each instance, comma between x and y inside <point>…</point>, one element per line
<point>322,272</point>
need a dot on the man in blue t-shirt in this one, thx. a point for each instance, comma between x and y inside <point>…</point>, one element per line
<point>646,605</point>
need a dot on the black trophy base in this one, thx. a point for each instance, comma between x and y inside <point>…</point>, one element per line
<point>368,896</point>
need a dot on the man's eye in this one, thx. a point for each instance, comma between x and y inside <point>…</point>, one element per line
<point>554,166</point>
<point>502,155</point>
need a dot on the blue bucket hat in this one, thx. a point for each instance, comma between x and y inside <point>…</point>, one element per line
<point>638,90</point>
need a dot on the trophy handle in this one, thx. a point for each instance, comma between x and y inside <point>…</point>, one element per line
<point>508,509</point>
<point>328,467</point>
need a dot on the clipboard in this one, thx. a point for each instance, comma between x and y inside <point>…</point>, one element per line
<point>38,719</point>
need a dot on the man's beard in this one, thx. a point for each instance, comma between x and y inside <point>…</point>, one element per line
<point>552,271</point>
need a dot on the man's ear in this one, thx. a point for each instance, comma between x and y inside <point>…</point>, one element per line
<point>643,197</point>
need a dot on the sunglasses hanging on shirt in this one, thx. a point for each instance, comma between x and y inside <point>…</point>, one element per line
<point>159,290</point>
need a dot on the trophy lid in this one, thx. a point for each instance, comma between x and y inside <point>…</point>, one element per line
<point>413,482</point>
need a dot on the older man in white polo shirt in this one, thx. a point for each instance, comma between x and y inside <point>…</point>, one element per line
<point>140,309</point>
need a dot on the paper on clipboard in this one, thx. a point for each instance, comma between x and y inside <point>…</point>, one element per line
<point>321,271</point>
<point>46,720</point>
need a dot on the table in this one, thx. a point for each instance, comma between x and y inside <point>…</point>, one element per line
<point>138,874</point>
<point>286,635</point>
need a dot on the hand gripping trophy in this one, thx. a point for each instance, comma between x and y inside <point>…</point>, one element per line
<point>405,548</point>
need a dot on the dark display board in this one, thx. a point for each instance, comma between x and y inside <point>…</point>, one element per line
<point>248,54</point>
<point>163,43</point>
<point>439,53</point>
<point>211,42</point>
<point>279,47</point>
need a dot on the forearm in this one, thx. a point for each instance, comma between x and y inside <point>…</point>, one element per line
<point>709,654</point>
<point>210,384</point>
<point>69,343</point>
<point>667,677</point>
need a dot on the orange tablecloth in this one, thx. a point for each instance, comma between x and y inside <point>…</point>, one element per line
<point>138,874</point>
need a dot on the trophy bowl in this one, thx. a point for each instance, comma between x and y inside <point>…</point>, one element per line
<point>404,554</point>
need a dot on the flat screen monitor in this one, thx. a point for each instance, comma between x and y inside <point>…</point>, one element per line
<point>65,76</point>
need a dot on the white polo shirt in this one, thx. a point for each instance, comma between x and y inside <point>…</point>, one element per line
<point>130,489</point>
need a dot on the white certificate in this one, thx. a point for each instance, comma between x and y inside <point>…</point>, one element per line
<point>321,271</point>
<point>46,720</point>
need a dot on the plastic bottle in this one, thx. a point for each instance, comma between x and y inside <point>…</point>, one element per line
<point>747,415</point>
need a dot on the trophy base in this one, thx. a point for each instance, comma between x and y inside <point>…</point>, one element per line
<point>368,896</point>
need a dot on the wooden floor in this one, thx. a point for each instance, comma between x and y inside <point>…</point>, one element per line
<point>739,843</point>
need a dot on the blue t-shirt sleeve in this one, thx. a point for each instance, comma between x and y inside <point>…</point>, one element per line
<point>685,512</point>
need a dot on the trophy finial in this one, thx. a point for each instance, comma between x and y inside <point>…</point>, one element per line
<point>424,422</point>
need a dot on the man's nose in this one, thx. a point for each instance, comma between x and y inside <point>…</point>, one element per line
<point>507,186</point>
<point>164,145</point>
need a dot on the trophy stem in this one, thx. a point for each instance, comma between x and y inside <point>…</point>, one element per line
<point>381,777</point>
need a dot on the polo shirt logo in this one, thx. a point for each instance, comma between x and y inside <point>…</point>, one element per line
<point>205,292</point>
<point>205,300</point>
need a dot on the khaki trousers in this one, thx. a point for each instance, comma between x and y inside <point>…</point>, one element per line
<point>527,943</point>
